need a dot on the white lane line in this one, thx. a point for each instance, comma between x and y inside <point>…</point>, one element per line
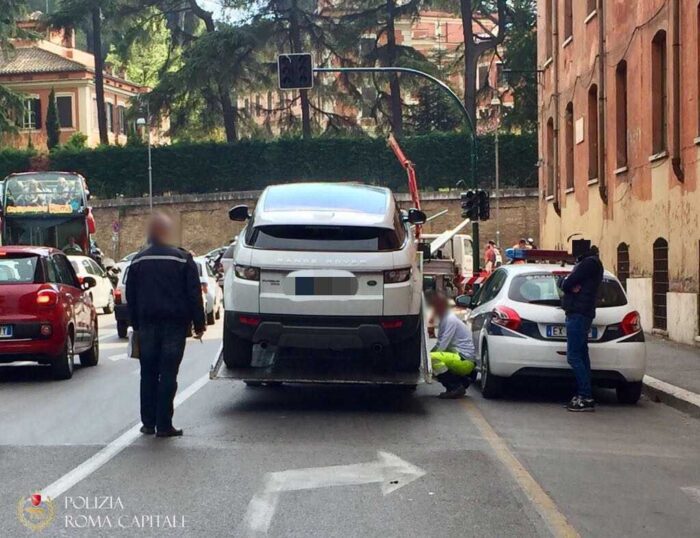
<point>693,493</point>
<point>119,357</point>
<point>96,461</point>
<point>677,392</point>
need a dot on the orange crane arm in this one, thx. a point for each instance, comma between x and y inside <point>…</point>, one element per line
<point>411,173</point>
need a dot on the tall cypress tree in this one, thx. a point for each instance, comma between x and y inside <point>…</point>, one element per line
<point>53,126</point>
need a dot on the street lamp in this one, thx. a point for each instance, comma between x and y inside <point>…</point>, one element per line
<point>143,122</point>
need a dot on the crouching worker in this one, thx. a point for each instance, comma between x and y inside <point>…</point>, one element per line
<point>452,357</point>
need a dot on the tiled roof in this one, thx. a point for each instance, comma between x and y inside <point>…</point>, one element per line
<point>36,60</point>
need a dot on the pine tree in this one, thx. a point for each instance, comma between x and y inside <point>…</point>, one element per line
<point>53,126</point>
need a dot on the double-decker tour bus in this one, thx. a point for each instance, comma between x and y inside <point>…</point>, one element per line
<point>47,209</point>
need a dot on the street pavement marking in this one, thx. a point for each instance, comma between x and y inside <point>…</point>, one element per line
<point>673,390</point>
<point>693,493</point>
<point>96,461</point>
<point>553,517</point>
<point>388,470</point>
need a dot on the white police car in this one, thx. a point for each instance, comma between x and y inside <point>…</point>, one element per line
<point>519,329</point>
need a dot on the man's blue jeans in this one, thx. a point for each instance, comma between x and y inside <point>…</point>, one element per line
<point>162,348</point>
<point>577,328</point>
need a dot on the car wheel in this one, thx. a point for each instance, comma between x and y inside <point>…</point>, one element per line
<point>491,385</point>
<point>629,393</point>
<point>237,352</point>
<point>407,354</point>
<point>122,329</point>
<point>62,366</point>
<point>110,304</point>
<point>211,318</point>
<point>92,356</point>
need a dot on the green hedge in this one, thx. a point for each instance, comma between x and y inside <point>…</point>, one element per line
<point>441,160</point>
<point>14,160</point>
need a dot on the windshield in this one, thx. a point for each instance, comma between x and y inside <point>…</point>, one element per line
<point>66,234</point>
<point>325,238</point>
<point>19,269</point>
<point>44,192</point>
<point>541,288</point>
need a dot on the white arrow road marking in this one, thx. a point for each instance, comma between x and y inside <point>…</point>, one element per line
<point>388,470</point>
<point>693,493</point>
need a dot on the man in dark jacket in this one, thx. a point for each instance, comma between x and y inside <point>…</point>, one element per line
<point>164,297</point>
<point>580,294</point>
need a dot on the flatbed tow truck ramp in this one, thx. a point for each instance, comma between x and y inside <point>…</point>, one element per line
<point>324,366</point>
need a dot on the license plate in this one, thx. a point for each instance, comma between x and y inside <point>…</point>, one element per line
<point>5,331</point>
<point>559,331</point>
<point>324,286</point>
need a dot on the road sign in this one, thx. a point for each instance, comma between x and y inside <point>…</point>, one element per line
<point>295,71</point>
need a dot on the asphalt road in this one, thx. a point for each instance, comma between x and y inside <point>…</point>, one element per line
<point>337,461</point>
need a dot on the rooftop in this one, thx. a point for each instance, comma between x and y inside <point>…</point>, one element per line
<point>23,60</point>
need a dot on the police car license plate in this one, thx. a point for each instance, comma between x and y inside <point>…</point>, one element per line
<point>559,331</point>
<point>5,331</point>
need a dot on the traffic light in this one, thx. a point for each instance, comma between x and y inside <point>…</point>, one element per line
<point>295,71</point>
<point>484,203</point>
<point>470,206</point>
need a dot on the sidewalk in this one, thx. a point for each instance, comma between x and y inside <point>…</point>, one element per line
<point>676,367</point>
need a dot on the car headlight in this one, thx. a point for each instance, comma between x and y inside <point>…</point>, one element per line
<point>397,275</point>
<point>247,272</point>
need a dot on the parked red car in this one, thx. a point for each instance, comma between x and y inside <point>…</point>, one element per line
<point>45,314</point>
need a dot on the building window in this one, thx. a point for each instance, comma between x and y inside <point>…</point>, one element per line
<point>258,108</point>
<point>660,282</point>
<point>64,105</point>
<point>483,76</point>
<point>31,119</point>
<point>593,132</point>
<point>269,102</point>
<point>549,38</point>
<point>568,19</point>
<point>697,59</point>
<point>621,113</point>
<point>121,117</point>
<point>569,141</point>
<point>109,111</point>
<point>623,263</point>
<point>659,92</point>
<point>591,5</point>
<point>550,157</point>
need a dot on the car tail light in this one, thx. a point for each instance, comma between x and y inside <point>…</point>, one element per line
<point>117,296</point>
<point>252,321</point>
<point>506,317</point>
<point>631,323</point>
<point>47,297</point>
<point>392,324</point>
<point>397,275</point>
<point>205,288</point>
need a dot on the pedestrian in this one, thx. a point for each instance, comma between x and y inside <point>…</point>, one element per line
<point>72,248</point>
<point>490,256</point>
<point>580,293</point>
<point>452,358</point>
<point>164,298</point>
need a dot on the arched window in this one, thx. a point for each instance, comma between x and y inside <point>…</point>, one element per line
<point>621,113</point>
<point>659,92</point>
<point>660,282</point>
<point>569,152</point>
<point>623,263</point>
<point>593,132</point>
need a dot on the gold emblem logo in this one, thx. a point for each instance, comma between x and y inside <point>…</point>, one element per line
<point>35,512</point>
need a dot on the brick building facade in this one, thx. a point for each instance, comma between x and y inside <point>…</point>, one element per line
<point>619,138</point>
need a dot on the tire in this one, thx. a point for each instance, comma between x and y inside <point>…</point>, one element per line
<point>110,305</point>
<point>92,356</point>
<point>237,352</point>
<point>211,318</point>
<point>62,366</point>
<point>407,353</point>
<point>629,393</point>
<point>122,329</point>
<point>491,385</point>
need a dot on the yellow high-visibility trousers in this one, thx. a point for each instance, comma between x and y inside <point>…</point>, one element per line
<point>447,361</point>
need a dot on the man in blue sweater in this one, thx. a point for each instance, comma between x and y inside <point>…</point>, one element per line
<point>580,294</point>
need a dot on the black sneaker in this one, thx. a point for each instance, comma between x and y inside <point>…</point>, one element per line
<point>453,394</point>
<point>581,405</point>
<point>147,430</point>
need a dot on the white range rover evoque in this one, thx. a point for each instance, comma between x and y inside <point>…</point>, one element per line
<point>325,266</point>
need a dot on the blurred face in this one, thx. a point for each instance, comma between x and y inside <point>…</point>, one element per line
<point>161,229</point>
<point>440,306</point>
<point>522,244</point>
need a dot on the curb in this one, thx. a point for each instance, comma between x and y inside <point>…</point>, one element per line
<point>676,397</point>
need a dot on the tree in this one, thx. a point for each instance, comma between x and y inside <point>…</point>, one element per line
<point>53,126</point>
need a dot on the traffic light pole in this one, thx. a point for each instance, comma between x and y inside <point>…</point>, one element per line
<point>476,249</point>
<point>455,98</point>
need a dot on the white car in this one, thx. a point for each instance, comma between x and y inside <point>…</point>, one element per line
<point>211,291</point>
<point>519,329</point>
<point>103,293</point>
<point>325,266</point>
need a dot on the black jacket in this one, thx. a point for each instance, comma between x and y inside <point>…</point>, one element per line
<point>163,285</point>
<point>588,274</point>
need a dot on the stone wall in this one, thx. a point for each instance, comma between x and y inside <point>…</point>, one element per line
<point>203,224</point>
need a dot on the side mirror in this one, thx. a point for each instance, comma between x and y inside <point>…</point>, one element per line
<point>239,213</point>
<point>416,216</point>
<point>88,282</point>
<point>465,301</point>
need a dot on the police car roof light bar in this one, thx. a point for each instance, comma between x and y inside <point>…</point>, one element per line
<point>552,256</point>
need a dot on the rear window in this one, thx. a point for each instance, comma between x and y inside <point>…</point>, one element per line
<point>541,288</point>
<point>19,269</point>
<point>323,197</point>
<point>325,238</point>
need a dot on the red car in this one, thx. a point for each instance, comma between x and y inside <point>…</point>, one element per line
<point>45,314</point>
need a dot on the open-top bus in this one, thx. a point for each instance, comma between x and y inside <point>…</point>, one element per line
<point>47,209</point>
